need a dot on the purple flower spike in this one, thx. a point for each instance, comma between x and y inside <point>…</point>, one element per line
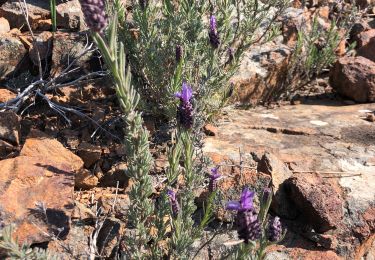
<point>213,26</point>
<point>174,203</point>
<point>274,230</point>
<point>171,194</point>
<point>94,14</point>
<point>213,34</point>
<point>185,94</point>
<point>248,225</point>
<point>213,179</point>
<point>185,110</point>
<point>245,203</point>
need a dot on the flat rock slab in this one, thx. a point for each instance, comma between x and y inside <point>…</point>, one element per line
<point>323,138</point>
<point>36,190</point>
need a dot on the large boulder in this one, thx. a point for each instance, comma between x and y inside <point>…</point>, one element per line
<point>354,77</point>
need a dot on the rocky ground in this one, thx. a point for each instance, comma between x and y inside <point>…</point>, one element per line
<point>61,152</point>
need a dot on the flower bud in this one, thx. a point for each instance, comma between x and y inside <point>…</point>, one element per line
<point>213,34</point>
<point>274,229</point>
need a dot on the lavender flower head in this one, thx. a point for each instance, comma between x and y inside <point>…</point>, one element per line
<point>213,34</point>
<point>185,110</point>
<point>274,230</point>
<point>248,226</point>
<point>245,203</point>
<point>94,13</point>
<point>213,179</point>
<point>174,203</point>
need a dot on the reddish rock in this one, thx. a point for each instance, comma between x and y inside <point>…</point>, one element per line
<point>40,145</point>
<point>367,227</point>
<point>89,153</point>
<point>36,190</point>
<point>210,130</point>
<point>364,37</point>
<point>37,10</point>
<point>368,50</point>
<point>354,77</point>
<point>317,201</point>
<point>85,180</point>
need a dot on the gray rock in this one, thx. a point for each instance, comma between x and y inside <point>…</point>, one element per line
<point>9,127</point>
<point>70,16</point>
<point>12,53</point>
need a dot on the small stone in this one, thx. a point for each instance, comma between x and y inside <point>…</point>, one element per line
<point>370,118</point>
<point>109,237</point>
<point>295,102</point>
<point>70,16</point>
<point>89,153</point>
<point>4,25</point>
<point>9,127</point>
<point>116,174</point>
<point>66,47</point>
<point>24,186</point>
<point>85,180</point>
<point>210,130</point>
<point>45,25</point>
<point>365,37</point>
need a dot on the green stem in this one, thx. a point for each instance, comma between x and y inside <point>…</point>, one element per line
<point>53,14</point>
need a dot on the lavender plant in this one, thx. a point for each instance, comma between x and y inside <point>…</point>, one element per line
<point>255,229</point>
<point>212,36</point>
<point>136,138</point>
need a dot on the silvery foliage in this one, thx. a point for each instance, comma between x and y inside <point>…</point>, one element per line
<point>155,29</point>
<point>136,141</point>
<point>16,251</point>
